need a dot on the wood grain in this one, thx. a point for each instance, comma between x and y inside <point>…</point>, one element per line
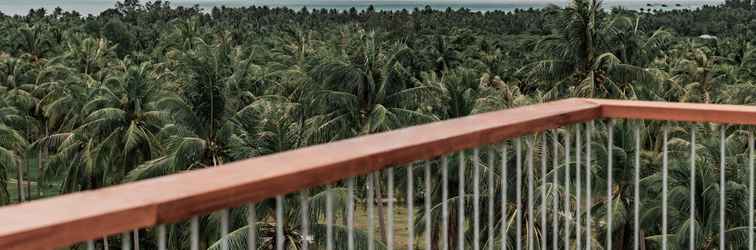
<point>685,112</point>
<point>68,219</point>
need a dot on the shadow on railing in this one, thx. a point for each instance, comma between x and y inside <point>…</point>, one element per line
<point>518,203</point>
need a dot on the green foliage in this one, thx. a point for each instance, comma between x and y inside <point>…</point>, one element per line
<point>142,91</point>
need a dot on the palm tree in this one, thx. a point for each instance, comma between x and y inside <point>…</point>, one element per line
<point>123,118</point>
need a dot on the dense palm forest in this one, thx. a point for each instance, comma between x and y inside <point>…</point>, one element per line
<point>145,89</point>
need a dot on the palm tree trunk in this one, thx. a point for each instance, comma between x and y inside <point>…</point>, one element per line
<point>381,212</point>
<point>20,183</point>
<point>105,241</point>
<point>642,240</point>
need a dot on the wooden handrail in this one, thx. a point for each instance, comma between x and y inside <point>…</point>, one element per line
<point>685,112</point>
<point>67,219</point>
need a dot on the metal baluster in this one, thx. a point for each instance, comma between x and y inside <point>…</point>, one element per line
<point>126,240</point>
<point>350,213</point>
<point>692,229</point>
<point>461,203</point>
<point>567,182</point>
<point>410,209</point>
<point>750,190</point>
<point>195,233</point>
<point>329,218</point>
<point>428,189</point>
<point>371,210</point>
<point>636,182</point>
<point>518,188</point>
<point>504,190</point>
<point>161,238</point>
<point>531,218</point>
<point>609,185</point>
<point>491,199</point>
<point>224,229</point>
<point>252,227</point>
<point>304,203</point>
<point>476,199</point>
<point>390,220</point>
<point>588,186</point>
<point>544,150</point>
<point>664,189</point>
<point>279,223</point>
<point>578,188</point>
<point>555,199</point>
<point>136,239</point>
<point>722,186</point>
<point>90,245</point>
<point>445,203</point>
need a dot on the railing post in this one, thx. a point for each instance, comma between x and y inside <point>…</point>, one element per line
<point>531,227</point>
<point>588,187</point>
<point>665,181</point>
<point>636,192</point>
<point>609,186</point>
<point>445,203</point>
<point>555,184</point>
<point>692,227</point>
<point>722,186</point>
<point>578,188</point>
<point>504,190</point>
<point>518,188</point>
<point>252,227</point>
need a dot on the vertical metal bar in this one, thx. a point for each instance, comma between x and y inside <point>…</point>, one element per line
<point>126,240</point>
<point>750,190</point>
<point>279,223</point>
<point>224,229</point>
<point>371,210</point>
<point>554,184</point>
<point>518,188</point>
<point>90,245</point>
<point>722,186</point>
<point>461,203</point>
<point>578,188</point>
<point>504,190</point>
<point>588,186</point>
<point>350,213</point>
<point>692,229</point>
<point>445,203</point>
<point>531,180</point>
<point>329,218</point>
<point>305,204</point>
<point>390,220</point>
<point>609,185</point>
<point>136,239</point>
<point>252,227</point>
<point>636,192</point>
<point>491,199</point>
<point>428,211</point>
<point>195,233</point>
<point>410,208</point>
<point>544,150</point>
<point>664,188</point>
<point>476,199</point>
<point>162,239</point>
<point>567,205</point>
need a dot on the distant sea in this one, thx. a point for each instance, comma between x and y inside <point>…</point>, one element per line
<point>86,7</point>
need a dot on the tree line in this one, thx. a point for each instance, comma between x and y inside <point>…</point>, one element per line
<point>145,90</point>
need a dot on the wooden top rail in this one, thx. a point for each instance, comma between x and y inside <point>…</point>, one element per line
<point>68,219</point>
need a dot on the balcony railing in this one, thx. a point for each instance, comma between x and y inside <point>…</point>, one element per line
<point>535,177</point>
